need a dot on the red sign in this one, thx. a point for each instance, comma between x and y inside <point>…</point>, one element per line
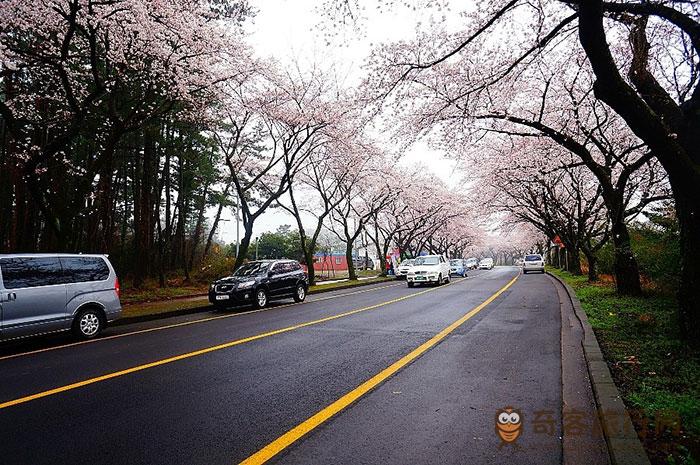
<point>557,241</point>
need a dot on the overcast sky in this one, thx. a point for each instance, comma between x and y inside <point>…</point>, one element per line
<point>287,30</point>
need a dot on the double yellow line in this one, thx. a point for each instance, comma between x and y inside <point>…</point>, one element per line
<point>302,429</point>
<point>207,350</point>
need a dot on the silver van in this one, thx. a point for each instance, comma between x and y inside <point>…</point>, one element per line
<point>46,293</point>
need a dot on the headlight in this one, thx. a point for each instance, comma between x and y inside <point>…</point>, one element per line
<point>246,284</point>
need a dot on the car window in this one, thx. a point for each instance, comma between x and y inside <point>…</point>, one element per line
<point>455,262</point>
<point>294,266</point>
<point>533,258</point>
<point>251,269</point>
<point>83,269</point>
<point>427,261</point>
<point>22,272</point>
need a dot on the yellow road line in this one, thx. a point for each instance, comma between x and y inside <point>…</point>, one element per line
<point>187,323</point>
<point>207,350</point>
<point>296,433</point>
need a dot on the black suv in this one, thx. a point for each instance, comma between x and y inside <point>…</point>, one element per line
<point>260,281</point>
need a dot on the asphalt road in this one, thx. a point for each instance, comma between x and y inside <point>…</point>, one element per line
<point>217,388</point>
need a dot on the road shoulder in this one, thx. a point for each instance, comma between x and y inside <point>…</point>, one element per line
<point>582,361</point>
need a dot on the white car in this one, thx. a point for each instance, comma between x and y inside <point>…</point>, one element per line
<point>433,269</point>
<point>533,262</point>
<point>486,263</point>
<point>402,269</point>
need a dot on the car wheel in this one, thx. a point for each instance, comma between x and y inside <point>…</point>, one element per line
<point>88,323</point>
<point>410,284</point>
<point>439,280</point>
<point>300,293</point>
<point>447,279</point>
<point>260,300</point>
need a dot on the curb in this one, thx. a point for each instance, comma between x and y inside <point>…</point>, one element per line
<point>621,438</point>
<point>208,307</point>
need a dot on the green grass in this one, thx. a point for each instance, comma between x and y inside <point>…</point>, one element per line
<point>655,372</point>
<point>347,284</point>
<point>153,293</point>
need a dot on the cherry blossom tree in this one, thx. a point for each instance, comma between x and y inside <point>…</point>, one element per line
<point>272,124</point>
<point>363,191</point>
<point>643,56</point>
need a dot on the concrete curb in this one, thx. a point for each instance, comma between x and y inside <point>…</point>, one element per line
<point>623,444</point>
<point>208,307</point>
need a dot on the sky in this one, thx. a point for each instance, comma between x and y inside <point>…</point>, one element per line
<point>288,31</point>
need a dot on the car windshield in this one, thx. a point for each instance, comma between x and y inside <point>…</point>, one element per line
<point>252,268</point>
<point>487,260</point>
<point>427,261</point>
<point>406,263</point>
<point>455,262</point>
<point>533,258</point>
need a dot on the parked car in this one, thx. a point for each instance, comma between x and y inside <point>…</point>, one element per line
<point>260,281</point>
<point>48,293</point>
<point>361,264</point>
<point>486,263</point>
<point>432,269</point>
<point>403,268</point>
<point>472,263</point>
<point>459,267</point>
<point>533,262</point>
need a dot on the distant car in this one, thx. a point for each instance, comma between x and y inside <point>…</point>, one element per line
<point>260,281</point>
<point>472,263</point>
<point>361,263</point>
<point>47,293</point>
<point>433,269</point>
<point>486,263</point>
<point>403,268</point>
<point>459,267</point>
<point>533,262</point>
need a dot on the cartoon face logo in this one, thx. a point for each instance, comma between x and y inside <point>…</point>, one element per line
<point>509,424</point>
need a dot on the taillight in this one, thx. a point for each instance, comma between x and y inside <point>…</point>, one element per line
<point>117,288</point>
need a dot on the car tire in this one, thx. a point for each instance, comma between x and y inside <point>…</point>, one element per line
<point>260,299</point>
<point>447,279</point>
<point>300,293</point>
<point>439,280</point>
<point>410,284</point>
<point>88,323</point>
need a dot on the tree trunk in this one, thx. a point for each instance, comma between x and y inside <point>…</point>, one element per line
<point>310,271</point>
<point>244,245</point>
<point>689,291</point>
<point>626,269</point>
<point>351,265</point>
<point>592,265</point>
<point>573,260</point>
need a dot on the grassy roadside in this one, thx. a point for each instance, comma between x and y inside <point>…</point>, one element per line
<point>658,378</point>
<point>167,303</point>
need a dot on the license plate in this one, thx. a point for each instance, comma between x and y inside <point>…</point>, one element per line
<point>419,278</point>
<point>221,297</point>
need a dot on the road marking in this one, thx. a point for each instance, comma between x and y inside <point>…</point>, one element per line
<point>296,433</point>
<point>187,323</point>
<point>207,350</point>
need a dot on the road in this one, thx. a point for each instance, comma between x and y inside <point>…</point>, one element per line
<point>379,374</point>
